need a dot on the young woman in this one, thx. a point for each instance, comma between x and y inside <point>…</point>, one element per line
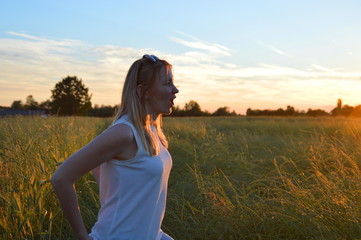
<point>130,161</point>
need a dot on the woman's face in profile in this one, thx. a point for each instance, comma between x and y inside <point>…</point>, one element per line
<point>161,96</point>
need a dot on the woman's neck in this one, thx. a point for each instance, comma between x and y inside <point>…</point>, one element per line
<point>154,118</point>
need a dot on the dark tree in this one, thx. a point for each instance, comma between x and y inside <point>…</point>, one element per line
<point>193,109</point>
<point>316,113</point>
<point>346,110</point>
<point>356,112</point>
<point>192,106</point>
<point>17,104</point>
<point>290,111</point>
<point>70,97</point>
<point>342,110</point>
<point>224,111</point>
<point>30,103</point>
<point>339,103</point>
<point>337,111</point>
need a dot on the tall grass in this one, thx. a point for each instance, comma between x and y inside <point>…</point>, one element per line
<point>30,150</point>
<point>265,178</point>
<point>232,178</point>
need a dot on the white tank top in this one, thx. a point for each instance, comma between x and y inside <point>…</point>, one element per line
<point>133,195</point>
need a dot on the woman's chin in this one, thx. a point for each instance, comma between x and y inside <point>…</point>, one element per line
<point>168,112</point>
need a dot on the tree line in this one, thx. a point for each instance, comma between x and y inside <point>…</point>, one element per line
<point>192,108</point>
<point>289,111</point>
<point>339,110</point>
<point>70,97</point>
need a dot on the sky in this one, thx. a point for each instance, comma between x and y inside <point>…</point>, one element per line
<point>260,54</point>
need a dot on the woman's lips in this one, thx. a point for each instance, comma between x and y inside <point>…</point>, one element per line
<point>172,101</point>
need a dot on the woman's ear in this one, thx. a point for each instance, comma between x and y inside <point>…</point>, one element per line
<point>140,92</point>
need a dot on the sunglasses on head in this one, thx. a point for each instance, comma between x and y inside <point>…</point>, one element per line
<point>151,58</point>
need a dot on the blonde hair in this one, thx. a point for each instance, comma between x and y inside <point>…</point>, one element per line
<point>133,103</point>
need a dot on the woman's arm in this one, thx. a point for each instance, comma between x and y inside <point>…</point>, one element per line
<point>112,142</point>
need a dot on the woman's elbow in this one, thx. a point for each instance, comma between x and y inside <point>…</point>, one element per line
<point>55,180</point>
<point>58,180</point>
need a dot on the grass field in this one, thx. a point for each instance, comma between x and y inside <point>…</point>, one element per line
<point>232,178</point>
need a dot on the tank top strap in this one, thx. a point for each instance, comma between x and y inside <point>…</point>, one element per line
<point>124,119</point>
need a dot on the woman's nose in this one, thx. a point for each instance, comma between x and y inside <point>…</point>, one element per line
<point>175,90</point>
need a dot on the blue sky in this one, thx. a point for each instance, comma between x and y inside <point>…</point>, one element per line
<point>241,54</point>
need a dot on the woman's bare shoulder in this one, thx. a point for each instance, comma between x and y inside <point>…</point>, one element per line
<point>120,132</point>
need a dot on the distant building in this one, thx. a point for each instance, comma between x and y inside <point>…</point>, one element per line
<point>12,112</point>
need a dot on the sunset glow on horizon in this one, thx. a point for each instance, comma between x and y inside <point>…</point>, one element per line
<point>258,55</point>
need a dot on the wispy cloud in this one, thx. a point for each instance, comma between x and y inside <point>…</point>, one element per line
<point>195,43</point>
<point>24,35</point>
<point>62,42</point>
<point>274,49</point>
<point>324,69</point>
